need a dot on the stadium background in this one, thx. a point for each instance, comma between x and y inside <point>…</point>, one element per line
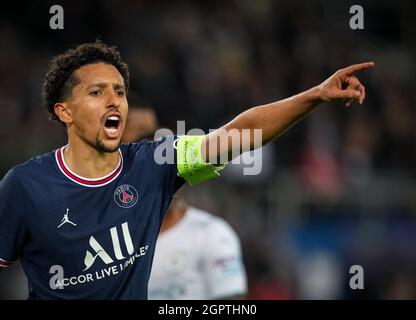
<point>337,190</point>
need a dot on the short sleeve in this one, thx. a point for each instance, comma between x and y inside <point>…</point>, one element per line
<point>12,228</point>
<point>165,156</point>
<point>225,272</point>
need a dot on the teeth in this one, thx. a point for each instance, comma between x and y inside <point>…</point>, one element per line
<point>113,118</point>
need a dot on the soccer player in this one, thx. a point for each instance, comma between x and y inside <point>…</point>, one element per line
<point>84,218</point>
<point>197,256</point>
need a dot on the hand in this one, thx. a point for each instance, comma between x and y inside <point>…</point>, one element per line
<point>343,84</point>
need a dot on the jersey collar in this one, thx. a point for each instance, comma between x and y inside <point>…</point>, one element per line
<point>93,183</point>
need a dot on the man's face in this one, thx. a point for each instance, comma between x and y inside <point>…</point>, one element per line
<point>98,106</point>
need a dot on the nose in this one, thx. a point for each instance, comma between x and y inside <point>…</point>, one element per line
<point>113,100</point>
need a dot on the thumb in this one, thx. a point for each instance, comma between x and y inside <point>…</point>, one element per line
<point>346,94</point>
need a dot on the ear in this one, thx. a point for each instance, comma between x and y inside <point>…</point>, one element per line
<point>63,111</point>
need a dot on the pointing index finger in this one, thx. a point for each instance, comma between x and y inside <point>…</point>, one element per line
<point>358,67</point>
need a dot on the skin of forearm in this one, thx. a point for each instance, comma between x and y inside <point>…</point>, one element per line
<point>273,119</point>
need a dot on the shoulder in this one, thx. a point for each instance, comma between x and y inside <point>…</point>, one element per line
<point>213,225</point>
<point>35,166</point>
<point>15,187</point>
<point>146,147</point>
<point>154,157</point>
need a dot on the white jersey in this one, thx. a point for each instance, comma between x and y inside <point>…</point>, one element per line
<point>198,258</point>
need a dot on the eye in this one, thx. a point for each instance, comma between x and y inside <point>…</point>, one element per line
<point>120,93</point>
<point>95,93</point>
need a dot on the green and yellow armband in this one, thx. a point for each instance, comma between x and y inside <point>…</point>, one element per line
<point>190,164</point>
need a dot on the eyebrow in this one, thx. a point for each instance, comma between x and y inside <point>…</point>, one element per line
<point>116,86</point>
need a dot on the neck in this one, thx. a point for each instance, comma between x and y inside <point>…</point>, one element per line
<point>88,162</point>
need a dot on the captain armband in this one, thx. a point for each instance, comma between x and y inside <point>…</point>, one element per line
<point>191,166</point>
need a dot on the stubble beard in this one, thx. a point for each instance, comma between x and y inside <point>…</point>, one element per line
<point>101,147</point>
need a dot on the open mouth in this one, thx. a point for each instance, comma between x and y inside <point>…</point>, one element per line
<point>112,126</point>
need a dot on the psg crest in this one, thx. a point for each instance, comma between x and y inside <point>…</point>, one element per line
<point>125,196</point>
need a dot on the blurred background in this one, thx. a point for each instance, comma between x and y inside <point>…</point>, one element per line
<point>337,190</point>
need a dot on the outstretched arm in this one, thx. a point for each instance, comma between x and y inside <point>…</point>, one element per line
<point>275,118</point>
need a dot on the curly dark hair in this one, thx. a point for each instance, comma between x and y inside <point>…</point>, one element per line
<point>60,78</point>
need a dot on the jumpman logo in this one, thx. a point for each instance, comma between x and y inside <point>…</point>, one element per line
<point>65,219</point>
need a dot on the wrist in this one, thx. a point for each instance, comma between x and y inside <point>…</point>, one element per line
<point>314,96</point>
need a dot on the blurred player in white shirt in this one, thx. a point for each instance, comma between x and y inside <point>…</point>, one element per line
<point>197,256</point>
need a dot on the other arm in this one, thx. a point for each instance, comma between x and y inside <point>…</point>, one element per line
<point>275,118</point>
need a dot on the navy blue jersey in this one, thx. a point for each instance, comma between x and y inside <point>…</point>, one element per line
<point>83,238</point>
